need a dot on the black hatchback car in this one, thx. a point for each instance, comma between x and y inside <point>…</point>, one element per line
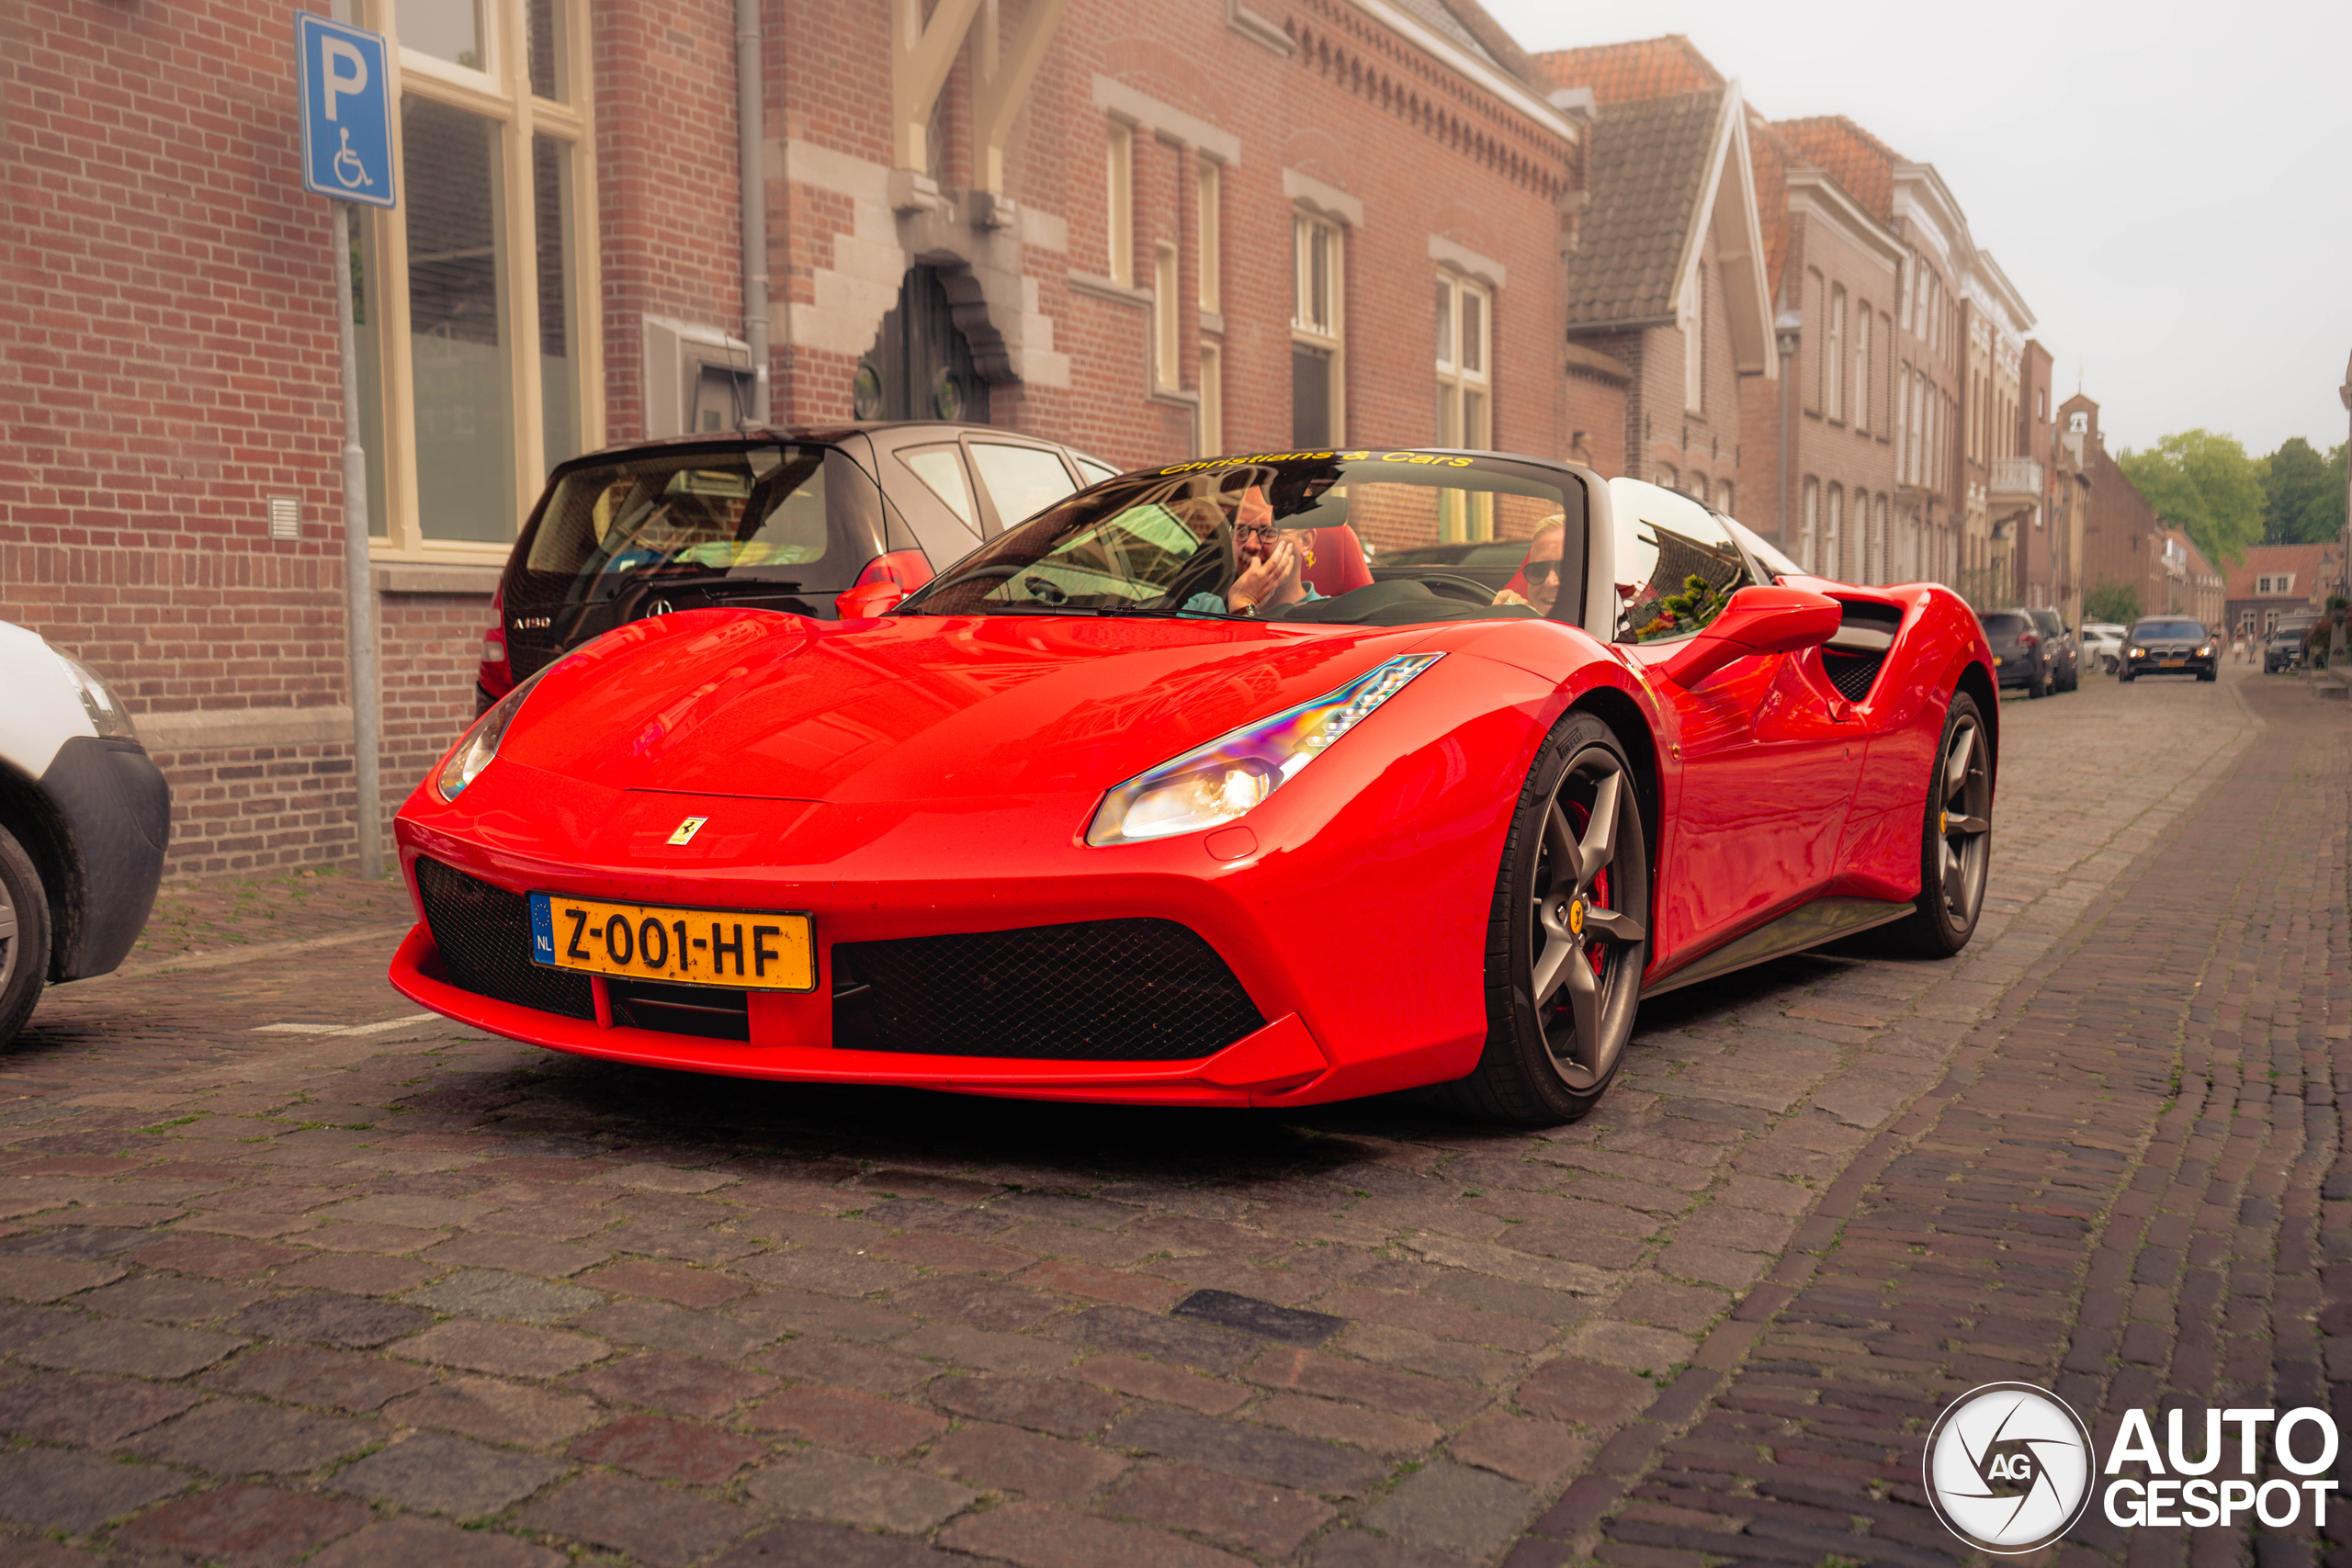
<point>827,524</point>
<point>2022,656</point>
<point>2170,645</point>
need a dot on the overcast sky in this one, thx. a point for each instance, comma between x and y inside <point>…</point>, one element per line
<point>2169,184</point>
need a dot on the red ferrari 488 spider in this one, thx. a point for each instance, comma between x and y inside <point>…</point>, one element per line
<point>1252,781</point>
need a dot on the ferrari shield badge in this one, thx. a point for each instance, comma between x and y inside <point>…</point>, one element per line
<point>685,832</point>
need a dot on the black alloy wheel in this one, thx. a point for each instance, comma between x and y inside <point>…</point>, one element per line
<point>1955,840</point>
<point>1567,938</point>
<point>24,936</point>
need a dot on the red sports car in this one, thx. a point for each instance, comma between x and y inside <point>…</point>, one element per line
<point>1220,784</point>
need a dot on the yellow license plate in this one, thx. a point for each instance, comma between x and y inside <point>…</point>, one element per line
<point>747,948</point>
<point>2176,663</point>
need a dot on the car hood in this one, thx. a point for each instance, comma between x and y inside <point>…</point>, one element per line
<point>754,705</point>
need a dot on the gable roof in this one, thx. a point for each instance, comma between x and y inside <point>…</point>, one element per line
<point>1645,68</point>
<point>2310,565</point>
<point>1663,172</point>
<point>1648,164</point>
<point>1859,162</point>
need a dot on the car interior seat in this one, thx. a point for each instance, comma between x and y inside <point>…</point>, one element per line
<point>1333,560</point>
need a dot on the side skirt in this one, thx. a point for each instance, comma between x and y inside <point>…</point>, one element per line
<point>1810,925</point>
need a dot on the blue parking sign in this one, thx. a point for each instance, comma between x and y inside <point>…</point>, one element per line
<point>346,111</point>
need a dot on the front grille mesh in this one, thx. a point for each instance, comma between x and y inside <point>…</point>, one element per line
<point>1134,990</point>
<point>484,935</point>
<point>1851,673</point>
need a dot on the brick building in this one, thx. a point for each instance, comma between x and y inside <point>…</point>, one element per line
<point>1667,279</point>
<point>1146,231</point>
<point>2280,580</point>
<point>2124,542</point>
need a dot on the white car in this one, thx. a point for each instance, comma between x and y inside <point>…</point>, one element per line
<point>2102,644</point>
<point>85,815</point>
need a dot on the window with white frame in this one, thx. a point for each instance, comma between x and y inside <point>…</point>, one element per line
<point>1165,322</point>
<point>1833,395</point>
<point>1212,227</point>
<point>1119,203</point>
<point>1863,365</point>
<point>479,366</point>
<point>1809,528</point>
<point>1317,317</point>
<point>1465,382</point>
<point>1833,531</point>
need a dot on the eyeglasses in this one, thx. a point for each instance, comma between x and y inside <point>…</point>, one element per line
<point>1264,531</point>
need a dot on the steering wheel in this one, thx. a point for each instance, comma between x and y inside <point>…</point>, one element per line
<point>1045,590</point>
<point>1446,586</point>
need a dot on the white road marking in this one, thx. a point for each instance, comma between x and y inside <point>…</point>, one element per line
<point>343,1029</point>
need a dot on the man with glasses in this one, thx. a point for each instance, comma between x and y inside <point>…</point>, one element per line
<point>1270,562</point>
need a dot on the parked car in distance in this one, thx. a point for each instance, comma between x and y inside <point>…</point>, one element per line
<point>84,818</point>
<point>2065,655</point>
<point>831,524</point>
<point>2283,649</point>
<point>2170,645</point>
<point>2021,655</point>
<point>2102,644</point>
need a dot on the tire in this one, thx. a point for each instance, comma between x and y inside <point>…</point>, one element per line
<point>1955,838</point>
<point>2212,674</point>
<point>2039,686</point>
<point>1552,1045</point>
<point>2113,665</point>
<point>2125,676</point>
<point>24,937</point>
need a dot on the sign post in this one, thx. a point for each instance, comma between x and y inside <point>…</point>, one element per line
<point>347,155</point>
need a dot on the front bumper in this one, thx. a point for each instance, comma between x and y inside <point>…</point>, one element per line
<point>1306,921</point>
<point>2173,664</point>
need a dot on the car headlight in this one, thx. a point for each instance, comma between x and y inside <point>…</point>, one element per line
<point>1213,784</point>
<point>470,756</point>
<point>2206,651</point>
<point>107,716</point>
<point>2139,653</point>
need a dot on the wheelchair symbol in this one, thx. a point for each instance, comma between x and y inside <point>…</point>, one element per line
<point>348,169</point>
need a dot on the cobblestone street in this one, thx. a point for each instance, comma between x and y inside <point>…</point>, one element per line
<point>290,1269</point>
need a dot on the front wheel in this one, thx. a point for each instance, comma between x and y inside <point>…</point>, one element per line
<point>24,936</point>
<point>2113,665</point>
<point>1568,936</point>
<point>1955,840</point>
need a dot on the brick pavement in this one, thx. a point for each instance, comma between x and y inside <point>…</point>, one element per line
<point>389,1291</point>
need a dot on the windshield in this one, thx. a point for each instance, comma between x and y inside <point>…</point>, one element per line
<point>776,515</point>
<point>1999,628</point>
<point>2168,631</point>
<point>1355,538</point>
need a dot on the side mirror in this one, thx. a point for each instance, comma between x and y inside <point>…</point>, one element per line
<point>1756,620</point>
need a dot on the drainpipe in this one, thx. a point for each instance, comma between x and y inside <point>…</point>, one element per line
<point>1786,328</point>
<point>751,130</point>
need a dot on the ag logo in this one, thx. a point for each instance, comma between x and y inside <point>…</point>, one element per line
<point>2009,1468</point>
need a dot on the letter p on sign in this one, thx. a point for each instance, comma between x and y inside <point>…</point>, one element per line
<point>347,104</point>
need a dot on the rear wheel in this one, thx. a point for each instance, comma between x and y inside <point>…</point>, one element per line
<point>2039,685</point>
<point>24,936</point>
<point>1568,936</point>
<point>1955,840</point>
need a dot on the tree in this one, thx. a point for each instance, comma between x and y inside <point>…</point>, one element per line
<point>2204,485</point>
<point>2118,603</point>
<point>2303,495</point>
